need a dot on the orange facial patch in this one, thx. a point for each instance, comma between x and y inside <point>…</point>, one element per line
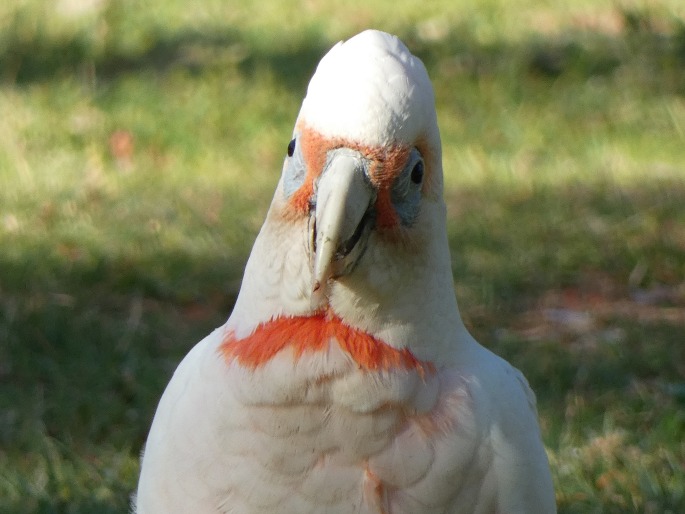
<point>312,334</point>
<point>386,163</point>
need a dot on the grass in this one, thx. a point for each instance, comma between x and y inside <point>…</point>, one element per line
<point>139,148</point>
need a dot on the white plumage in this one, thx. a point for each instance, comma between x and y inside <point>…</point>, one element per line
<point>344,380</point>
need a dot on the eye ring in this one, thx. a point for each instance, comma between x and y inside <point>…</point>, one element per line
<point>417,172</point>
<point>291,147</point>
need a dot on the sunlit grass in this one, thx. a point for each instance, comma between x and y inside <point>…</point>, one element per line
<point>140,144</point>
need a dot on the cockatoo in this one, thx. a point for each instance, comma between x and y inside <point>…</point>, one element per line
<point>345,381</point>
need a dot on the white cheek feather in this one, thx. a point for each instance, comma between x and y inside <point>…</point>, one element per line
<point>406,297</point>
<point>277,279</point>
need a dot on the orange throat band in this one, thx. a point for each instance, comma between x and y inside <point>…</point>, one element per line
<point>312,334</point>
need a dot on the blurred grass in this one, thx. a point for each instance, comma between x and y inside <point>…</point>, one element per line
<point>139,148</point>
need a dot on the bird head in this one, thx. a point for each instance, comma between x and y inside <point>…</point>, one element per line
<point>357,225</point>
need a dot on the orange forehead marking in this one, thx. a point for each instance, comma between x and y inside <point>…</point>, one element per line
<point>387,163</point>
<point>313,334</point>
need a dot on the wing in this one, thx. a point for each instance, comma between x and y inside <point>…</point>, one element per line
<point>520,465</point>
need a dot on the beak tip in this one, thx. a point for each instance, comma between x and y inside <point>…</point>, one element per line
<point>317,299</point>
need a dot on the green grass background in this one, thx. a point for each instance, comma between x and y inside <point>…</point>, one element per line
<point>140,143</point>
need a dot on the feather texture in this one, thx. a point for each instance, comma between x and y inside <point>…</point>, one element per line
<point>355,388</point>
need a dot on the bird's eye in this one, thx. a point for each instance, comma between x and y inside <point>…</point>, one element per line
<point>417,173</point>
<point>291,148</point>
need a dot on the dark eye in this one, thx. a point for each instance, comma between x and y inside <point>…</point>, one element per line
<point>417,173</point>
<point>291,148</point>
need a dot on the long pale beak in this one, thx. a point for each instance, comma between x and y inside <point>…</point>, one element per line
<point>343,197</point>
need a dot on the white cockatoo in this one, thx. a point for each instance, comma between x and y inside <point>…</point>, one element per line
<point>344,381</point>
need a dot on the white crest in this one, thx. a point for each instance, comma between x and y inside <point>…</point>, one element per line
<point>367,89</point>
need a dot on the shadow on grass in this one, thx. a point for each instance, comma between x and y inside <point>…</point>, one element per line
<point>41,60</point>
<point>29,55</point>
<point>82,506</point>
